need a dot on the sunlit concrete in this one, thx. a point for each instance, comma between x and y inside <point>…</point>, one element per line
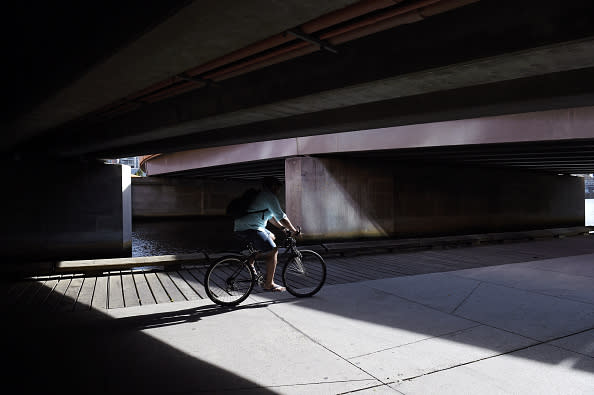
<point>526,324</point>
<point>494,332</point>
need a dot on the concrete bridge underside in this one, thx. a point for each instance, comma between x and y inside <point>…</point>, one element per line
<point>385,117</point>
<point>554,141</point>
<point>489,174</point>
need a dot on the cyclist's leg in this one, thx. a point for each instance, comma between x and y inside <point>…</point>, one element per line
<point>271,259</point>
<point>264,243</point>
<point>270,253</point>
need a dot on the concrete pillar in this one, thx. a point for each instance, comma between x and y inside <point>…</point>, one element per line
<point>332,199</point>
<point>338,199</point>
<point>66,210</point>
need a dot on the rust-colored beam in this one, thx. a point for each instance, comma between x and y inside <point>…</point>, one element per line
<point>275,50</point>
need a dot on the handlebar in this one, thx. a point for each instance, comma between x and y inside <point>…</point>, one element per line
<point>290,238</point>
<point>288,231</point>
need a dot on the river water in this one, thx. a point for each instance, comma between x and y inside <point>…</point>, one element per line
<point>189,235</point>
<point>181,236</point>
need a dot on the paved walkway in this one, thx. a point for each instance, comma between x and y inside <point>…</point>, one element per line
<point>180,278</point>
<point>518,319</point>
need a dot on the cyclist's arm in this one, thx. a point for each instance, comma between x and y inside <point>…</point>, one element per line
<point>286,223</point>
<point>277,212</point>
<point>283,223</point>
<point>274,222</point>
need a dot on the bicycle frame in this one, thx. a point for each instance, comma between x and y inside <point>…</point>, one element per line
<point>291,251</point>
<point>293,268</point>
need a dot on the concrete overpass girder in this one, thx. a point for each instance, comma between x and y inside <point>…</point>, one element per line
<point>544,126</point>
<point>186,119</point>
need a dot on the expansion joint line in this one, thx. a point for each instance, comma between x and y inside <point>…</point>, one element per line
<point>466,298</point>
<point>331,351</point>
<point>524,290</point>
<point>421,340</point>
<point>477,360</point>
<point>497,355</point>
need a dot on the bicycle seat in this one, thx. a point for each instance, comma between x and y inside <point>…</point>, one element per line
<point>244,244</point>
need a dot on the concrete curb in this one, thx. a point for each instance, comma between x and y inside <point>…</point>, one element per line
<point>325,249</point>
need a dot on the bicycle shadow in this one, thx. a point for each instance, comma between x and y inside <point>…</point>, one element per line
<point>177,317</point>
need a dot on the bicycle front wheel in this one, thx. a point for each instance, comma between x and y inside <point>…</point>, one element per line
<point>305,275</point>
<point>229,281</point>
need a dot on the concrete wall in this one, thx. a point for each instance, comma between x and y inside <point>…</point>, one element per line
<point>65,210</point>
<point>430,200</point>
<point>154,197</point>
<point>332,199</point>
<point>185,214</point>
<point>336,198</point>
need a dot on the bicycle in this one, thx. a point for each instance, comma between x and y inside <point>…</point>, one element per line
<point>230,280</point>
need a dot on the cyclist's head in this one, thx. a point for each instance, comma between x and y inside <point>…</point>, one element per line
<point>272,183</point>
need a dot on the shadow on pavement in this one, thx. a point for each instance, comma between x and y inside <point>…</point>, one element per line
<point>91,353</point>
<point>482,318</point>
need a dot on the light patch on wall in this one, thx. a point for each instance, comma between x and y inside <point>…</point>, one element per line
<point>334,203</point>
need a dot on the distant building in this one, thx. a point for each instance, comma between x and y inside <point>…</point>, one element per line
<point>133,162</point>
<point>589,186</point>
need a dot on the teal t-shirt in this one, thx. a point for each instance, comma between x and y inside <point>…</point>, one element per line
<point>265,200</point>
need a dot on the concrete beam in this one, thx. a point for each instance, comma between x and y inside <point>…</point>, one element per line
<point>185,118</point>
<point>554,125</point>
<point>196,34</point>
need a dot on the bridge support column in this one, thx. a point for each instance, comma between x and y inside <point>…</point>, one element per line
<point>65,210</point>
<point>335,198</point>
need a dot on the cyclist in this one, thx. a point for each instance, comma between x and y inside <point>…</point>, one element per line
<point>252,227</point>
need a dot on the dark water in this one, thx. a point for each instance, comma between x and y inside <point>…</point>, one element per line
<point>181,236</point>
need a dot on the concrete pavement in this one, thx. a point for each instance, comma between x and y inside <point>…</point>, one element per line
<point>523,328</point>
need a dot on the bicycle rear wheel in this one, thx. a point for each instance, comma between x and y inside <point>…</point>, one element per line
<point>305,275</point>
<point>229,281</point>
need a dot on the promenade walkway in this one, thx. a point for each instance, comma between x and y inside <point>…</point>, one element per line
<point>511,318</point>
<point>126,282</point>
